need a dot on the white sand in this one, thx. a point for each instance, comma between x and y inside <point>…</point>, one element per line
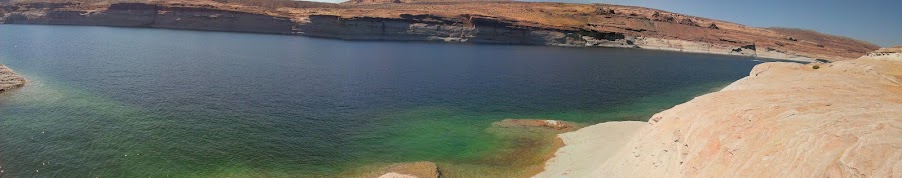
<point>589,147</point>
<point>396,175</point>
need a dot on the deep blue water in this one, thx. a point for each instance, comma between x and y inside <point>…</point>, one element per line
<point>126,102</point>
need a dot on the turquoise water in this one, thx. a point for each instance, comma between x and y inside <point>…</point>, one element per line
<point>125,102</point>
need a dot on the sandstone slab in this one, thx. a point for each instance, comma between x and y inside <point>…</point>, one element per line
<point>840,119</point>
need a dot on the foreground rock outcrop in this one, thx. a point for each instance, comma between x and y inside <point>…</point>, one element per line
<point>9,80</point>
<point>843,119</point>
<point>471,21</point>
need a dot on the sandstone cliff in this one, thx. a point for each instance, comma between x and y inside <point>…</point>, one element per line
<point>9,79</point>
<point>842,119</point>
<point>556,24</point>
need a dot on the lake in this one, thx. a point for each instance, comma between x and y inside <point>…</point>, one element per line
<point>131,102</point>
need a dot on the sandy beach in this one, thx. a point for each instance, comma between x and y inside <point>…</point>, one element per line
<point>586,146</point>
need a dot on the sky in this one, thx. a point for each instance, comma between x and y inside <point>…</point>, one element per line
<point>875,21</point>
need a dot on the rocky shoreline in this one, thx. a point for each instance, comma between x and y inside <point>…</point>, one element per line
<point>522,23</point>
<point>839,119</point>
<point>9,79</point>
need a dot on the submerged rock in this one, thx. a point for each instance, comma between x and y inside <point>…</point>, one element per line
<point>9,79</point>
<point>552,124</point>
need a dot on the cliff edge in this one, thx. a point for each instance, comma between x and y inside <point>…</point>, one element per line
<point>9,79</point>
<point>841,119</point>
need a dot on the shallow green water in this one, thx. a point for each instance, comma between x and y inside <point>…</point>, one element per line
<point>121,102</point>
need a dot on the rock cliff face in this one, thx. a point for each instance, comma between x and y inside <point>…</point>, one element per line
<point>556,24</point>
<point>9,80</point>
<point>842,119</point>
<point>155,16</point>
<point>476,29</point>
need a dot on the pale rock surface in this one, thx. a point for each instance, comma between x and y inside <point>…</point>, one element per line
<point>783,120</point>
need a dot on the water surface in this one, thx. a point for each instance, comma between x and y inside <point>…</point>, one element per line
<point>125,102</point>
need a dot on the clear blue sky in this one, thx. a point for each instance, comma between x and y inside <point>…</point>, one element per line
<point>875,21</point>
